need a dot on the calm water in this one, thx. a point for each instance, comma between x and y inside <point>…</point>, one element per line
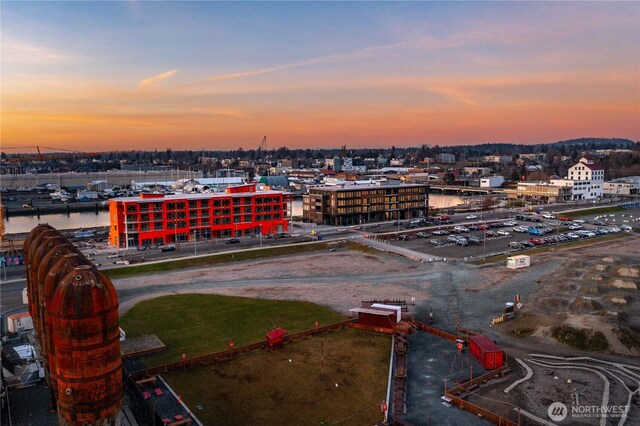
<point>18,224</point>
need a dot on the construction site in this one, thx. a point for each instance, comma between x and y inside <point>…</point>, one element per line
<point>465,344</point>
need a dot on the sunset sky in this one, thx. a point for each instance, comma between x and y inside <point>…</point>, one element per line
<point>192,75</point>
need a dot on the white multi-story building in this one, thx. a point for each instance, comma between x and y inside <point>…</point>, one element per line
<point>586,178</point>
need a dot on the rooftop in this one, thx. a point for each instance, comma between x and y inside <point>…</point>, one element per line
<point>348,187</point>
<point>196,196</point>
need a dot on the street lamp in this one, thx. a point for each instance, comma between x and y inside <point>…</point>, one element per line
<point>260,235</point>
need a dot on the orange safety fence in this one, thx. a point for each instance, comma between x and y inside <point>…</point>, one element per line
<point>436,331</point>
<point>229,353</point>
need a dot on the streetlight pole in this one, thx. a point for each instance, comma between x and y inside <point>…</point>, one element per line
<point>484,242</point>
<point>195,243</point>
<point>260,235</point>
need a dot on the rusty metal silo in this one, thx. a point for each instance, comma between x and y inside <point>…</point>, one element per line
<point>34,233</point>
<point>28,243</point>
<point>47,243</point>
<point>32,263</point>
<point>60,246</point>
<point>84,313</point>
<point>62,266</point>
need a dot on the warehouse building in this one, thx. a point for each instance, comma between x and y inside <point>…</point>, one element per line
<point>156,219</point>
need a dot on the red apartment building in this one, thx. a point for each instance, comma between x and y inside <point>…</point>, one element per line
<point>152,219</point>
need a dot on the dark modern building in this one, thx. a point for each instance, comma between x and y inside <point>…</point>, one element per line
<point>350,204</point>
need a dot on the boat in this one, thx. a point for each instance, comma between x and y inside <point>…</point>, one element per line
<point>57,195</point>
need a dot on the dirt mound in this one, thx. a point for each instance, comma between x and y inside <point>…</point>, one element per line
<point>608,259</point>
<point>581,338</point>
<point>627,285</point>
<point>601,268</point>
<point>569,288</point>
<point>617,299</point>
<point>593,277</point>
<point>554,303</point>
<point>585,305</point>
<point>589,290</point>
<point>629,272</point>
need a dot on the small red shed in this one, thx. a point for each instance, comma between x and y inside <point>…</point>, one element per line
<point>376,317</point>
<point>275,338</point>
<point>486,352</point>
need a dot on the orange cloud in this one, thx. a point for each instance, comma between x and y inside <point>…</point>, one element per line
<point>152,81</point>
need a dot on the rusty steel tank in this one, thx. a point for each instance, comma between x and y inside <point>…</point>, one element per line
<point>84,313</point>
<point>62,266</point>
<point>46,244</point>
<point>32,271</point>
<point>28,242</point>
<point>59,247</point>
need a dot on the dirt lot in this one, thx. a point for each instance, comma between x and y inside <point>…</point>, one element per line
<point>289,386</point>
<point>592,288</point>
<point>580,288</point>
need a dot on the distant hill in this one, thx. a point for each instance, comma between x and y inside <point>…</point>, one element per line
<point>596,142</point>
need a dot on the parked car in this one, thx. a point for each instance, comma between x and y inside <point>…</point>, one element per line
<point>537,241</point>
<point>403,237</point>
<point>626,228</point>
<point>440,232</point>
<point>168,247</point>
<point>565,219</point>
<point>575,226</point>
<point>422,235</point>
<point>452,238</point>
<point>490,234</point>
<point>461,229</point>
<point>473,228</point>
<point>578,220</point>
<point>573,236</point>
<point>233,241</point>
<point>471,216</point>
<point>436,243</point>
<point>510,223</point>
<point>549,216</point>
<point>503,233</point>
<point>462,242</point>
<point>474,240</point>
<point>598,223</point>
<point>521,229</point>
<point>535,231</point>
<point>515,245</point>
<point>526,243</point>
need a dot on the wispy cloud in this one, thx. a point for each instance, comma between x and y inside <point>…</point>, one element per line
<point>23,51</point>
<point>152,81</point>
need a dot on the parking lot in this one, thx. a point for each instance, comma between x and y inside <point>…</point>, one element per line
<point>471,238</point>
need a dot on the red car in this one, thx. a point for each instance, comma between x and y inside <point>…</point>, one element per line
<point>565,219</point>
<point>537,241</point>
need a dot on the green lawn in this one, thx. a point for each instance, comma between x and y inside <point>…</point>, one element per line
<point>597,210</point>
<point>199,324</point>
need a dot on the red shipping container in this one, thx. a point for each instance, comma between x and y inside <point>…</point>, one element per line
<point>486,352</point>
